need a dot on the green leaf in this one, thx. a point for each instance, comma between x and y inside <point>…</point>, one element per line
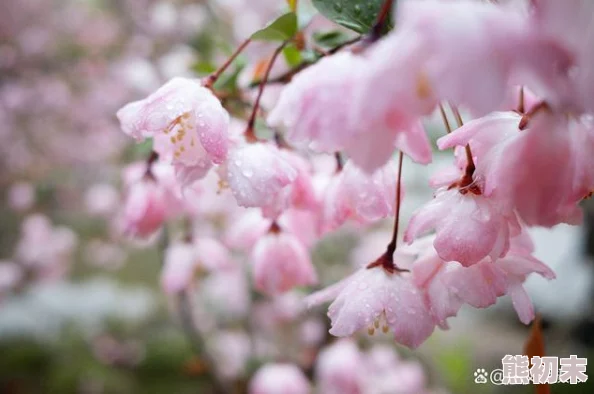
<point>357,15</point>
<point>282,29</point>
<point>330,39</point>
<point>203,68</point>
<point>292,55</point>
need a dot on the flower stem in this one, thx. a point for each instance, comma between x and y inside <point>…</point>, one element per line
<point>444,117</point>
<point>381,21</point>
<point>392,245</point>
<point>249,133</point>
<point>470,167</point>
<point>212,78</point>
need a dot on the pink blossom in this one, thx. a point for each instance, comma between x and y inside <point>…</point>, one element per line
<point>374,297</point>
<point>281,262</point>
<point>314,106</point>
<point>279,379</point>
<point>231,350</point>
<point>339,368</point>
<point>21,196</point>
<point>258,176</point>
<point>449,284</point>
<point>469,227</point>
<point>387,373</point>
<point>101,199</point>
<point>318,110</point>
<point>183,260</point>
<point>504,155</point>
<point>468,49</point>
<point>248,226</point>
<point>179,267</point>
<point>393,121</point>
<point>360,196</point>
<point>10,276</point>
<point>566,31</point>
<point>188,124</point>
<point>145,209</point>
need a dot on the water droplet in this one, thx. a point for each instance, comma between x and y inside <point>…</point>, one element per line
<point>238,163</point>
<point>248,173</point>
<point>338,7</point>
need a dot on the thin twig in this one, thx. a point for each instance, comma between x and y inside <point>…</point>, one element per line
<point>249,133</point>
<point>212,78</point>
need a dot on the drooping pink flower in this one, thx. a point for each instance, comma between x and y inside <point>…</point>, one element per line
<point>247,228</point>
<point>258,176</point>
<point>178,268</point>
<point>306,104</point>
<point>339,368</point>
<point>319,111</point>
<point>360,196</point>
<point>145,209</point>
<point>385,372</point>
<point>183,260</point>
<point>449,284</point>
<point>281,262</point>
<point>279,379</point>
<point>540,171</point>
<point>374,297</point>
<point>469,227</point>
<point>44,249</point>
<point>467,50</point>
<point>188,123</point>
<point>567,28</point>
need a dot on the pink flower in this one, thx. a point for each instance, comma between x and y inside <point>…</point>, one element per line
<point>182,260</point>
<point>247,228</point>
<point>469,227</point>
<point>279,379</point>
<point>281,262</point>
<point>179,267</point>
<point>145,209</point>
<point>10,275</point>
<point>21,196</point>
<point>506,155</point>
<point>566,31</point>
<point>188,124</point>
<point>258,176</point>
<point>374,297</point>
<point>360,196</point>
<point>385,372</point>
<point>314,106</point>
<point>467,50</point>
<point>319,110</point>
<point>339,368</point>
<point>449,285</point>
<point>44,249</point>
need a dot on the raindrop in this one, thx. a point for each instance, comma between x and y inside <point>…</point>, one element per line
<point>248,173</point>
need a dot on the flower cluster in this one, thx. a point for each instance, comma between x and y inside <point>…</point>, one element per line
<point>520,75</point>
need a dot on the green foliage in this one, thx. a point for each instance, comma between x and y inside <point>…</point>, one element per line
<point>292,55</point>
<point>282,29</point>
<point>331,39</point>
<point>356,15</point>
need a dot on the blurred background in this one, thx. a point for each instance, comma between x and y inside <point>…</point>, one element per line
<point>81,307</point>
